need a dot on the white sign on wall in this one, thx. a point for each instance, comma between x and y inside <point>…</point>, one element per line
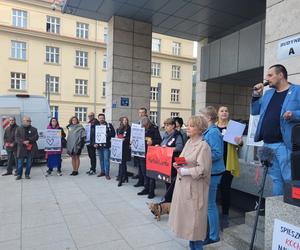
<point>285,236</point>
<point>288,47</point>
<point>252,127</point>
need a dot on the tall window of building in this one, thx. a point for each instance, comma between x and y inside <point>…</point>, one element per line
<point>19,18</point>
<point>154,93</point>
<point>103,88</point>
<point>175,95</point>
<point>81,113</point>
<point>105,34</point>
<point>156,44</point>
<point>54,111</point>
<point>174,114</point>
<point>53,24</point>
<point>54,84</point>
<point>82,30</point>
<point>104,65</point>
<point>18,50</point>
<point>153,116</point>
<point>52,54</point>
<point>17,81</point>
<point>81,58</point>
<point>175,72</point>
<point>155,69</point>
<point>81,87</point>
<point>176,48</point>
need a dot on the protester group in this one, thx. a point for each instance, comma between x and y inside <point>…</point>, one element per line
<point>201,161</point>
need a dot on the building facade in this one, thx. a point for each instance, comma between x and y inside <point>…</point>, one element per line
<point>45,52</point>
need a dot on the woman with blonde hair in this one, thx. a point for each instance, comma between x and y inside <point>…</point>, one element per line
<point>188,213</point>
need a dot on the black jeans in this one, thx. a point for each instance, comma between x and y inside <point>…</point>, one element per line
<point>122,169</point>
<point>170,186</point>
<point>149,183</point>
<point>137,163</point>
<point>225,189</point>
<point>92,155</point>
<point>11,161</point>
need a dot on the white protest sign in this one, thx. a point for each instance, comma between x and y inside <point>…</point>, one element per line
<point>116,150</point>
<point>288,47</point>
<point>137,141</point>
<point>53,140</point>
<point>100,134</point>
<point>87,128</point>
<point>253,122</point>
<point>285,236</point>
<point>234,129</point>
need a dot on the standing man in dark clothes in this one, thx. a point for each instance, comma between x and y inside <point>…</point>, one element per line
<point>91,147</point>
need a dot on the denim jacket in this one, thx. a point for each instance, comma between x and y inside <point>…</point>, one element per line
<point>291,103</point>
<point>214,139</point>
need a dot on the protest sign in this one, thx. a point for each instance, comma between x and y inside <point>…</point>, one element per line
<point>253,122</point>
<point>100,134</point>
<point>137,141</point>
<point>87,128</point>
<point>234,129</point>
<point>116,150</point>
<point>53,140</point>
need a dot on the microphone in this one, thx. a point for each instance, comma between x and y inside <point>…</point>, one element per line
<point>265,83</point>
<point>265,155</point>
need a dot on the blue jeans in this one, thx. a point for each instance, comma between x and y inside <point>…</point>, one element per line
<point>104,157</point>
<point>213,213</point>
<point>196,245</point>
<point>28,165</point>
<point>280,170</point>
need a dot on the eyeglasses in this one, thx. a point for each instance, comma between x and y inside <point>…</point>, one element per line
<point>27,120</point>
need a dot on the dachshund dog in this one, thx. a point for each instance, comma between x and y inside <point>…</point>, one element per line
<point>159,209</point>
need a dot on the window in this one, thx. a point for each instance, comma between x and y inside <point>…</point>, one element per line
<point>80,113</point>
<point>81,58</point>
<point>174,114</point>
<point>82,30</point>
<point>155,45</point>
<point>154,93</point>
<point>153,116</point>
<point>19,18</point>
<point>103,88</point>
<point>105,34</point>
<point>155,69</point>
<point>176,49</point>
<point>54,84</point>
<point>175,72</point>
<point>18,50</point>
<point>18,80</point>
<point>175,95</point>
<point>104,66</point>
<point>52,54</point>
<point>54,111</point>
<point>53,24</point>
<point>81,87</point>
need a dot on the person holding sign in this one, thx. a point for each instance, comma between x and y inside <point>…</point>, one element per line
<point>123,132</point>
<point>188,212</point>
<point>54,157</point>
<point>91,146</point>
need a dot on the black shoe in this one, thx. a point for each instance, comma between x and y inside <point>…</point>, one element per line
<point>151,195</point>
<point>125,179</point>
<point>120,183</point>
<point>59,173</point>
<point>48,172</point>
<point>210,241</point>
<point>74,173</point>
<point>92,172</point>
<point>139,184</point>
<point>15,173</point>
<point>7,173</point>
<point>27,177</point>
<point>143,192</point>
<point>18,177</point>
<point>117,178</point>
<point>135,176</point>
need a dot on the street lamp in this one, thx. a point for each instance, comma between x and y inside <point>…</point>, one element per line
<point>48,88</point>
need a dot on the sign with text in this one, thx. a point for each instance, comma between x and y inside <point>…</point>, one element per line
<point>53,140</point>
<point>116,150</point>
<point>285,236</point>
<point>234,129</point>
<point>159,163</point>
<point>137,141</point>
<point>100,134</point>
<point>87,128</point>
<point>288,47</point>
<point>253,122</point>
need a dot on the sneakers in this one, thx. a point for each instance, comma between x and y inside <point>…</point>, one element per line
<point>143,192</point>
<point>91,172</point>
<point>7,173</point>
<point>18,177</point>
<point>27,177</point>
<point>48,173</point>
<point>59,173</point>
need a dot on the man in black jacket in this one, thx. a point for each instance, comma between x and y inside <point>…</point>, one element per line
<point>91,146</point>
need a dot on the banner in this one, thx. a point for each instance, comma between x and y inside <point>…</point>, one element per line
<point>137,141</point>
<point>285,236</point>
<point>253,122</point>
<point>159,163</point>
<point>100,134</point>
<point>87,128</point>
<point>116,150</point>
<point>53,140</point>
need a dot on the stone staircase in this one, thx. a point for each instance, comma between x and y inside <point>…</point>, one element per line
<point>239,237</point>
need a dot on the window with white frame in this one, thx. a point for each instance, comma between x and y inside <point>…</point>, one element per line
<point>53,24</point>
<point>81,113</point>
<point>176,48</point>
<point>104,65</point>
<point>82,30</point>
<point>155,69</point>
<point>105,34</point>
<point>174,114</point>
<point>156,44</point>
<point>54,111</point>
<point>52,54</point>
<point>54,84</point>
<point>17,81</point>
<point>153,116</point>
<point>19,18</point>
<point>18,50</point>
<point>175,72</point>
<point>103,88</point>
<point>81,58</point>
<point>154,93</point>
<point>81,87</point>
<point>175,95</point>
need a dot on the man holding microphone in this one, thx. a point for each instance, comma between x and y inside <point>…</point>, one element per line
<point>279,110</point>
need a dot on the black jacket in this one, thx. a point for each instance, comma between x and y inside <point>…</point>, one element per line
<point>154,134</point>
<point>9,137</point>
<point>93,123</point>
<point>110,132</point>
<point>125,134</point>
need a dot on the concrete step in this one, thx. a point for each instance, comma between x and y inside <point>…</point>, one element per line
<point>239,237</point>
<point>250,219</point>
<point>221,245</point>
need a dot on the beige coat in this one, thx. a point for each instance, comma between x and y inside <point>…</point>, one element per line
<point>188,215</point>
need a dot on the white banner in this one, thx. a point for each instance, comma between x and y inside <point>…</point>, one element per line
<point>137,141</point>
<point>116,150</point>
<point>100,134</point>
<point>87,128</point>
<point>288,47</point>
<point>285,236</point>
<point>53,140</point>
<point>253,122</point>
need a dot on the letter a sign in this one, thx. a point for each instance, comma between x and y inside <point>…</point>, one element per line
<point>289,47</point>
